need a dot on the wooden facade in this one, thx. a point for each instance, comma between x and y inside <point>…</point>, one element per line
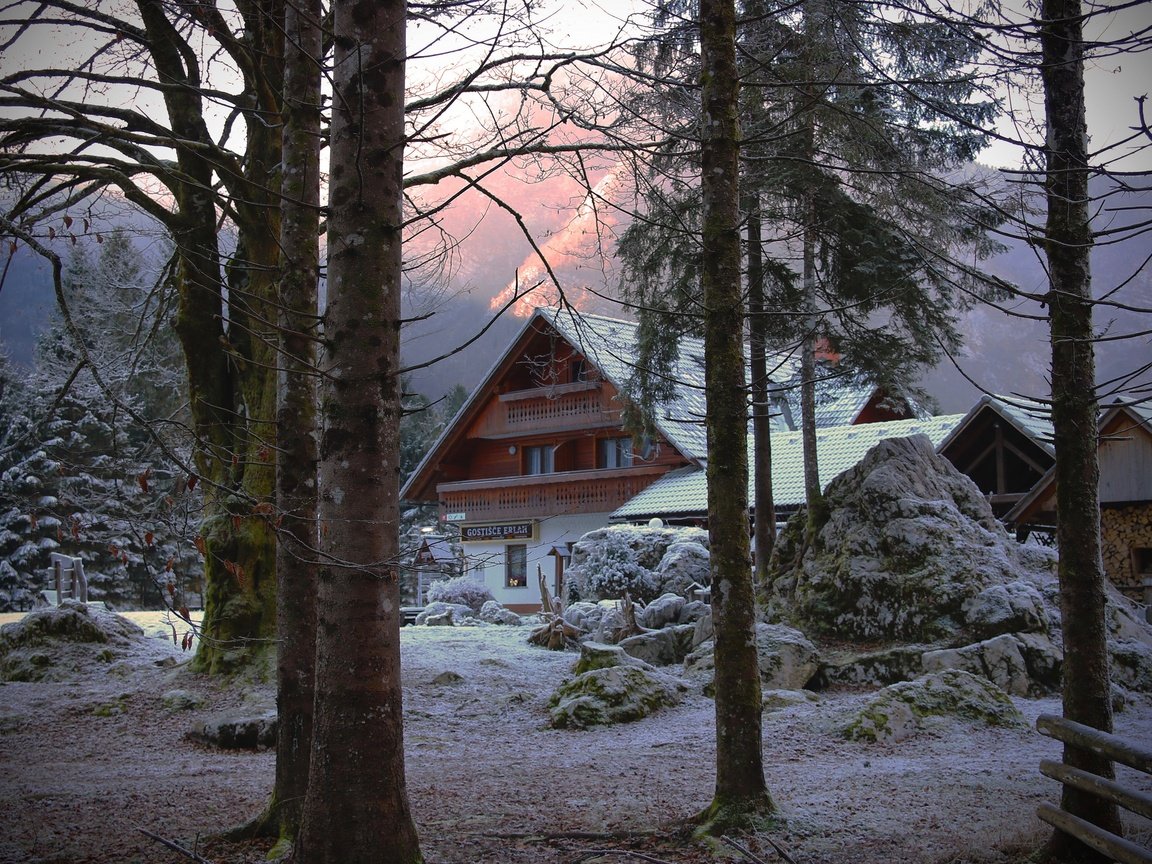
<point>540,443</point>
<point>1125,453</point>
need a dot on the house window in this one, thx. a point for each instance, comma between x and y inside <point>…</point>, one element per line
<point>516,566</point>
<point>615,453</point>
<point>539,459</point>
<point>578,371</point>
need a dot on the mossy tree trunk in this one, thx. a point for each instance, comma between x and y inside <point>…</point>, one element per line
<point>1068,241</point>
<point>224,318</point>
<point>357,806</point>
<point>741,797</point>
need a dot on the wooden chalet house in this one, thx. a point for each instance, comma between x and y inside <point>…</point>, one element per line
<point>537,456</point>
<point>1005,445</point>
<point>1125,499</point>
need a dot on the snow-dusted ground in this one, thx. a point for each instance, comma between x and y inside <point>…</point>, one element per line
<point>86,761</point>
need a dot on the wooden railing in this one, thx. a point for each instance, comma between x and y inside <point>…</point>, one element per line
<point>568,406</point>
<point>546,494</point>
<point>1112,747</point>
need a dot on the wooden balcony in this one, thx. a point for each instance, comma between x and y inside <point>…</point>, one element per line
<point>541,495</point>
<point>564,407</point>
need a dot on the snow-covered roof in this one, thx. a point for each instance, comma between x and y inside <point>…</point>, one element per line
<point>1030,417</point>
<point>610,343</point>
<point>684,493</point>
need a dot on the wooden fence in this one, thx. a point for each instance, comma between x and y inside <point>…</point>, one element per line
<point>1115,748</point>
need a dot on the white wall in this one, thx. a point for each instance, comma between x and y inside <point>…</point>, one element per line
<point>486,560</point>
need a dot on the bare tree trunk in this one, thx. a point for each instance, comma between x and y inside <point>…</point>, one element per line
<point>764,528</point>
<point>813,492</point>
<point>1068,241</point>
<point>357,805</point>
<point>296,414</point>
<point>741,796</point>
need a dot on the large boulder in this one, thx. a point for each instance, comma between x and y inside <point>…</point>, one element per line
<point>1023,664</point>
<point>898,711</point>
<point>615,694</point>
<point>54,643</point>
<point>661,647</point>
<point>876,668</point>
<point>911,551</point>
<point>662,611</point>
<point>787,659</point>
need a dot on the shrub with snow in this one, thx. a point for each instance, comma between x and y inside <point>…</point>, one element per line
<point>646,562</point>
<point>463,590</point>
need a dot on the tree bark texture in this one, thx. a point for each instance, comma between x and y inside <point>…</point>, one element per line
<point>741,794</point>
<point>764,527</point>
<point>296,488</point>
<point>1068,241</point>
<point>227,347</point>
<point>357,805</point>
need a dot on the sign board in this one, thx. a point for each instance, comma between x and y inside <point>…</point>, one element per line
<point>498,533</point>
<point>455,517</point>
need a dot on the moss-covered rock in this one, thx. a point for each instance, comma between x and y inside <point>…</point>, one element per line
<point>898,711</point>
<point>911,551</point>
<point>53,643</point>
<point>616,694</point>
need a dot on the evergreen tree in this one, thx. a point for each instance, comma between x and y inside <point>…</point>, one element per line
<point>83,472</point>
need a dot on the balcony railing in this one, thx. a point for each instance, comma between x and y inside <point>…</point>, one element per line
<point>550,409</point>
<point>542,495</point>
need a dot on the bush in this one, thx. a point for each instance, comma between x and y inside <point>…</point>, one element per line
<point>610,568</point>
<point>463,589</point>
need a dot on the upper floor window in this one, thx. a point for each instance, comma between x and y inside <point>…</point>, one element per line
<point>614,453</point>
<point>539,459</point>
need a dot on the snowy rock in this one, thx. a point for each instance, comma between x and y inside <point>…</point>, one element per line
<point>787,659</point>
<point>661,647</point>
<point>693,611</point>
<point>898,711</point>
<point>237,733</point>
<point>71,621</point>
<point>583,614</point>
<point>447,677</point>
<point>616,694</point>
<point>492,612</point>
<point>685,564</point>
<point>876,668</point>
<point>597,655</point>
<point>662,611</point>
<point>909,552</point>
<point>704,630</point>
<point>998,659</point>
<point>52,643</point>
<point>1024,664</point>
<point>1010,608</point>
<point>440,614</point>
<point>777,700</point>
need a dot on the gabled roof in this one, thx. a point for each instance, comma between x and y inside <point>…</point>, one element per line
<point>1031,418</point>
<point>610,345</point>
<point>1028,507</point>
<point>684,493</point>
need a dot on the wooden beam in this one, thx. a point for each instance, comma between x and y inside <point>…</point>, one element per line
<point>1130,799</point>
<point>1105,842</point>
<point>1112,746</point>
